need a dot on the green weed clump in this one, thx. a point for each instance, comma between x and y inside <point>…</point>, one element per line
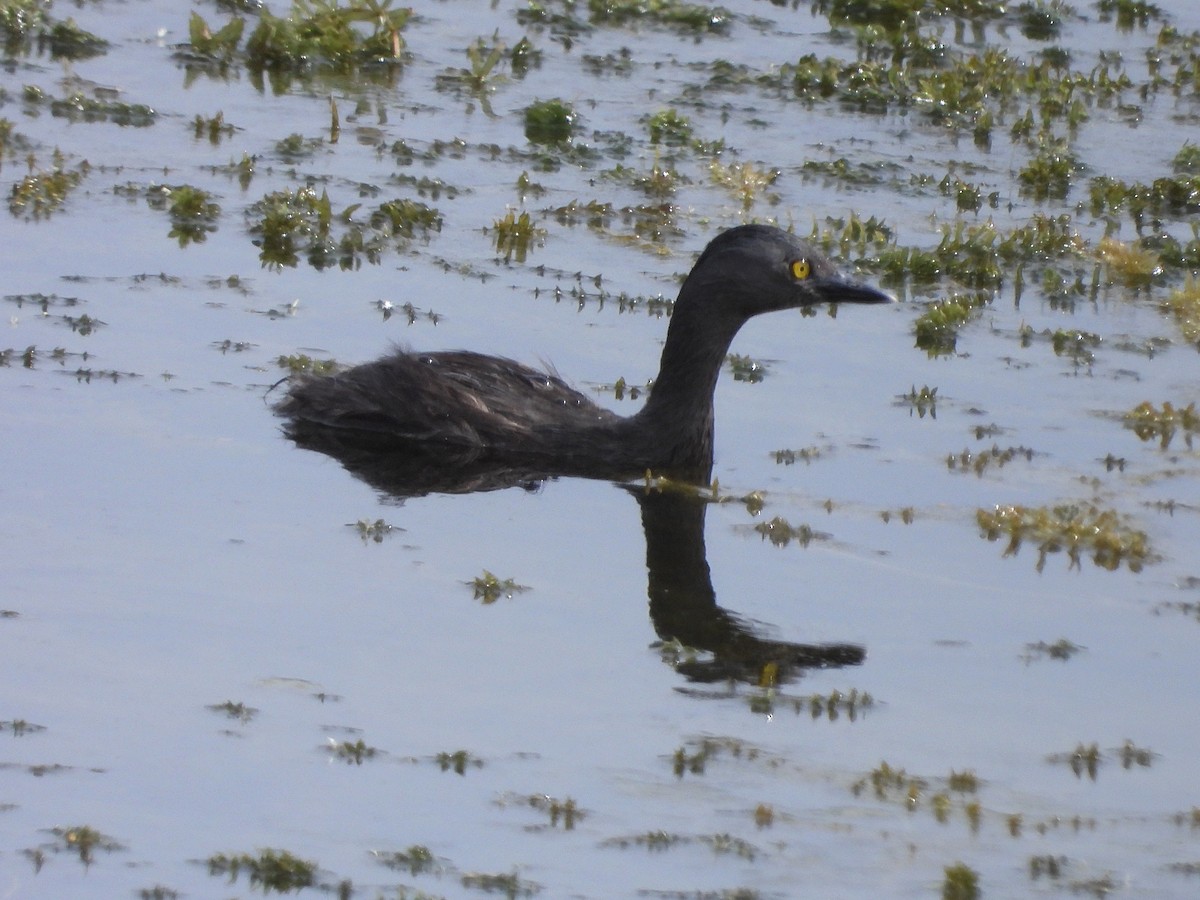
<point>514,235</point>
<point>272,870</point>
<point>84,841</point>
<point>961,883</point>
<point>192,210</point>
<point>293,222</point>
<point>670,128</point>
<point>936,329</point>
<point>669,13</point>
<point>1163,424</point>
<point>1184,305</point>
<point>550,122</point>
<point>1071,529</point>
<point>26,23</point>
<point>489,588</point>
<point>40,194</point>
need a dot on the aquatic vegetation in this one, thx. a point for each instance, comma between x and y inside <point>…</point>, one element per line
<point>744,368</point>
<point>374,531</point>
<point>981,460</point>
<point>20,727</point>
<point>214,127</point>
<point>1132,265</point>
<point>272,870</point>
<point>220,45</point>
<point>239,711</point>
<point>961,882</point>
<point>489,588</point>
<point>1184,305</point>
<point>1177,195</point>
<point>1062,650</point>
<point>508,884</point>
<point>707,749</point>
<point>289,223</point>
<point>1129,13</point>
<point>670,13</point>
<point>832,706</point>
<point>921,401</point>
<point>886,782</point>
<point>1187,160</point>
<point>791,457</point>
<point>40,194</point>
<point>77,107</point>
<point>651,840</point>
<point>515,235</point>
<point>480,76</point>
<point>1131,755</point>
<point>25,23</point>
<point>550,122</point>
<point>1163,423</point>
<point>1050,173</point>
<point>302,364</point>
<point>780,532</point>
<point>936,329</point>
<point>565,812</point>
<point>907,515</point>
<point>322,34</point>
<point>192,210</point>
<point>84,841</point>
<point>745,181</point>
<point>963,782</point>
<point>1075,344</point>
<point>669,127</point>
<point>352,752</point>
<point>457,761</point>
<point>1074,529</point>
<point>1047,866</point>
<point>416,860</point>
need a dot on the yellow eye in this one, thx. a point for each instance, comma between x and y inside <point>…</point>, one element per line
<point>801,269</point>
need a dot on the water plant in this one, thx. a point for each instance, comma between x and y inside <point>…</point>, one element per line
<point>302,364</point>
<point>1184,305</point>
<point>489,588</point>
<point>1074,529</point>
<point>1163,423</point>
<point>980,461</point>
<point>669,127</point>
<point>272,870</point>
<point>671,13</point>
<point>352,752</point>
<point>936,329</point>
<point>961,882</point>
<point>192,210</point>
<point>239,711</point>
<point>458,761</point>
<point>84,841</point>
<point>780,532</point>
<point>416,859</point>
<point>514,235</point>
<point>20,727</point>
<point>40,194</point>
<point>322,34</point>
<point>550,122</point>
<point>510,884</point>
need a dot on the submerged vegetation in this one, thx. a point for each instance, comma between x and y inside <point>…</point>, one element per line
<point>1072,529</point>
<point>269,870</point>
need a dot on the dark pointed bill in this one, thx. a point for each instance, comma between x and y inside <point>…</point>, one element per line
<point>839,291</point>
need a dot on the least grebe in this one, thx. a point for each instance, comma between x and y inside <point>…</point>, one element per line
<point>478,406</point>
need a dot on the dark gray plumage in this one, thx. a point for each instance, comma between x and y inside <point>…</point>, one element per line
<point>465,406</point>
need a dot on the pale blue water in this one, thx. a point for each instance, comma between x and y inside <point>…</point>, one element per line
<point>165,549</point>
